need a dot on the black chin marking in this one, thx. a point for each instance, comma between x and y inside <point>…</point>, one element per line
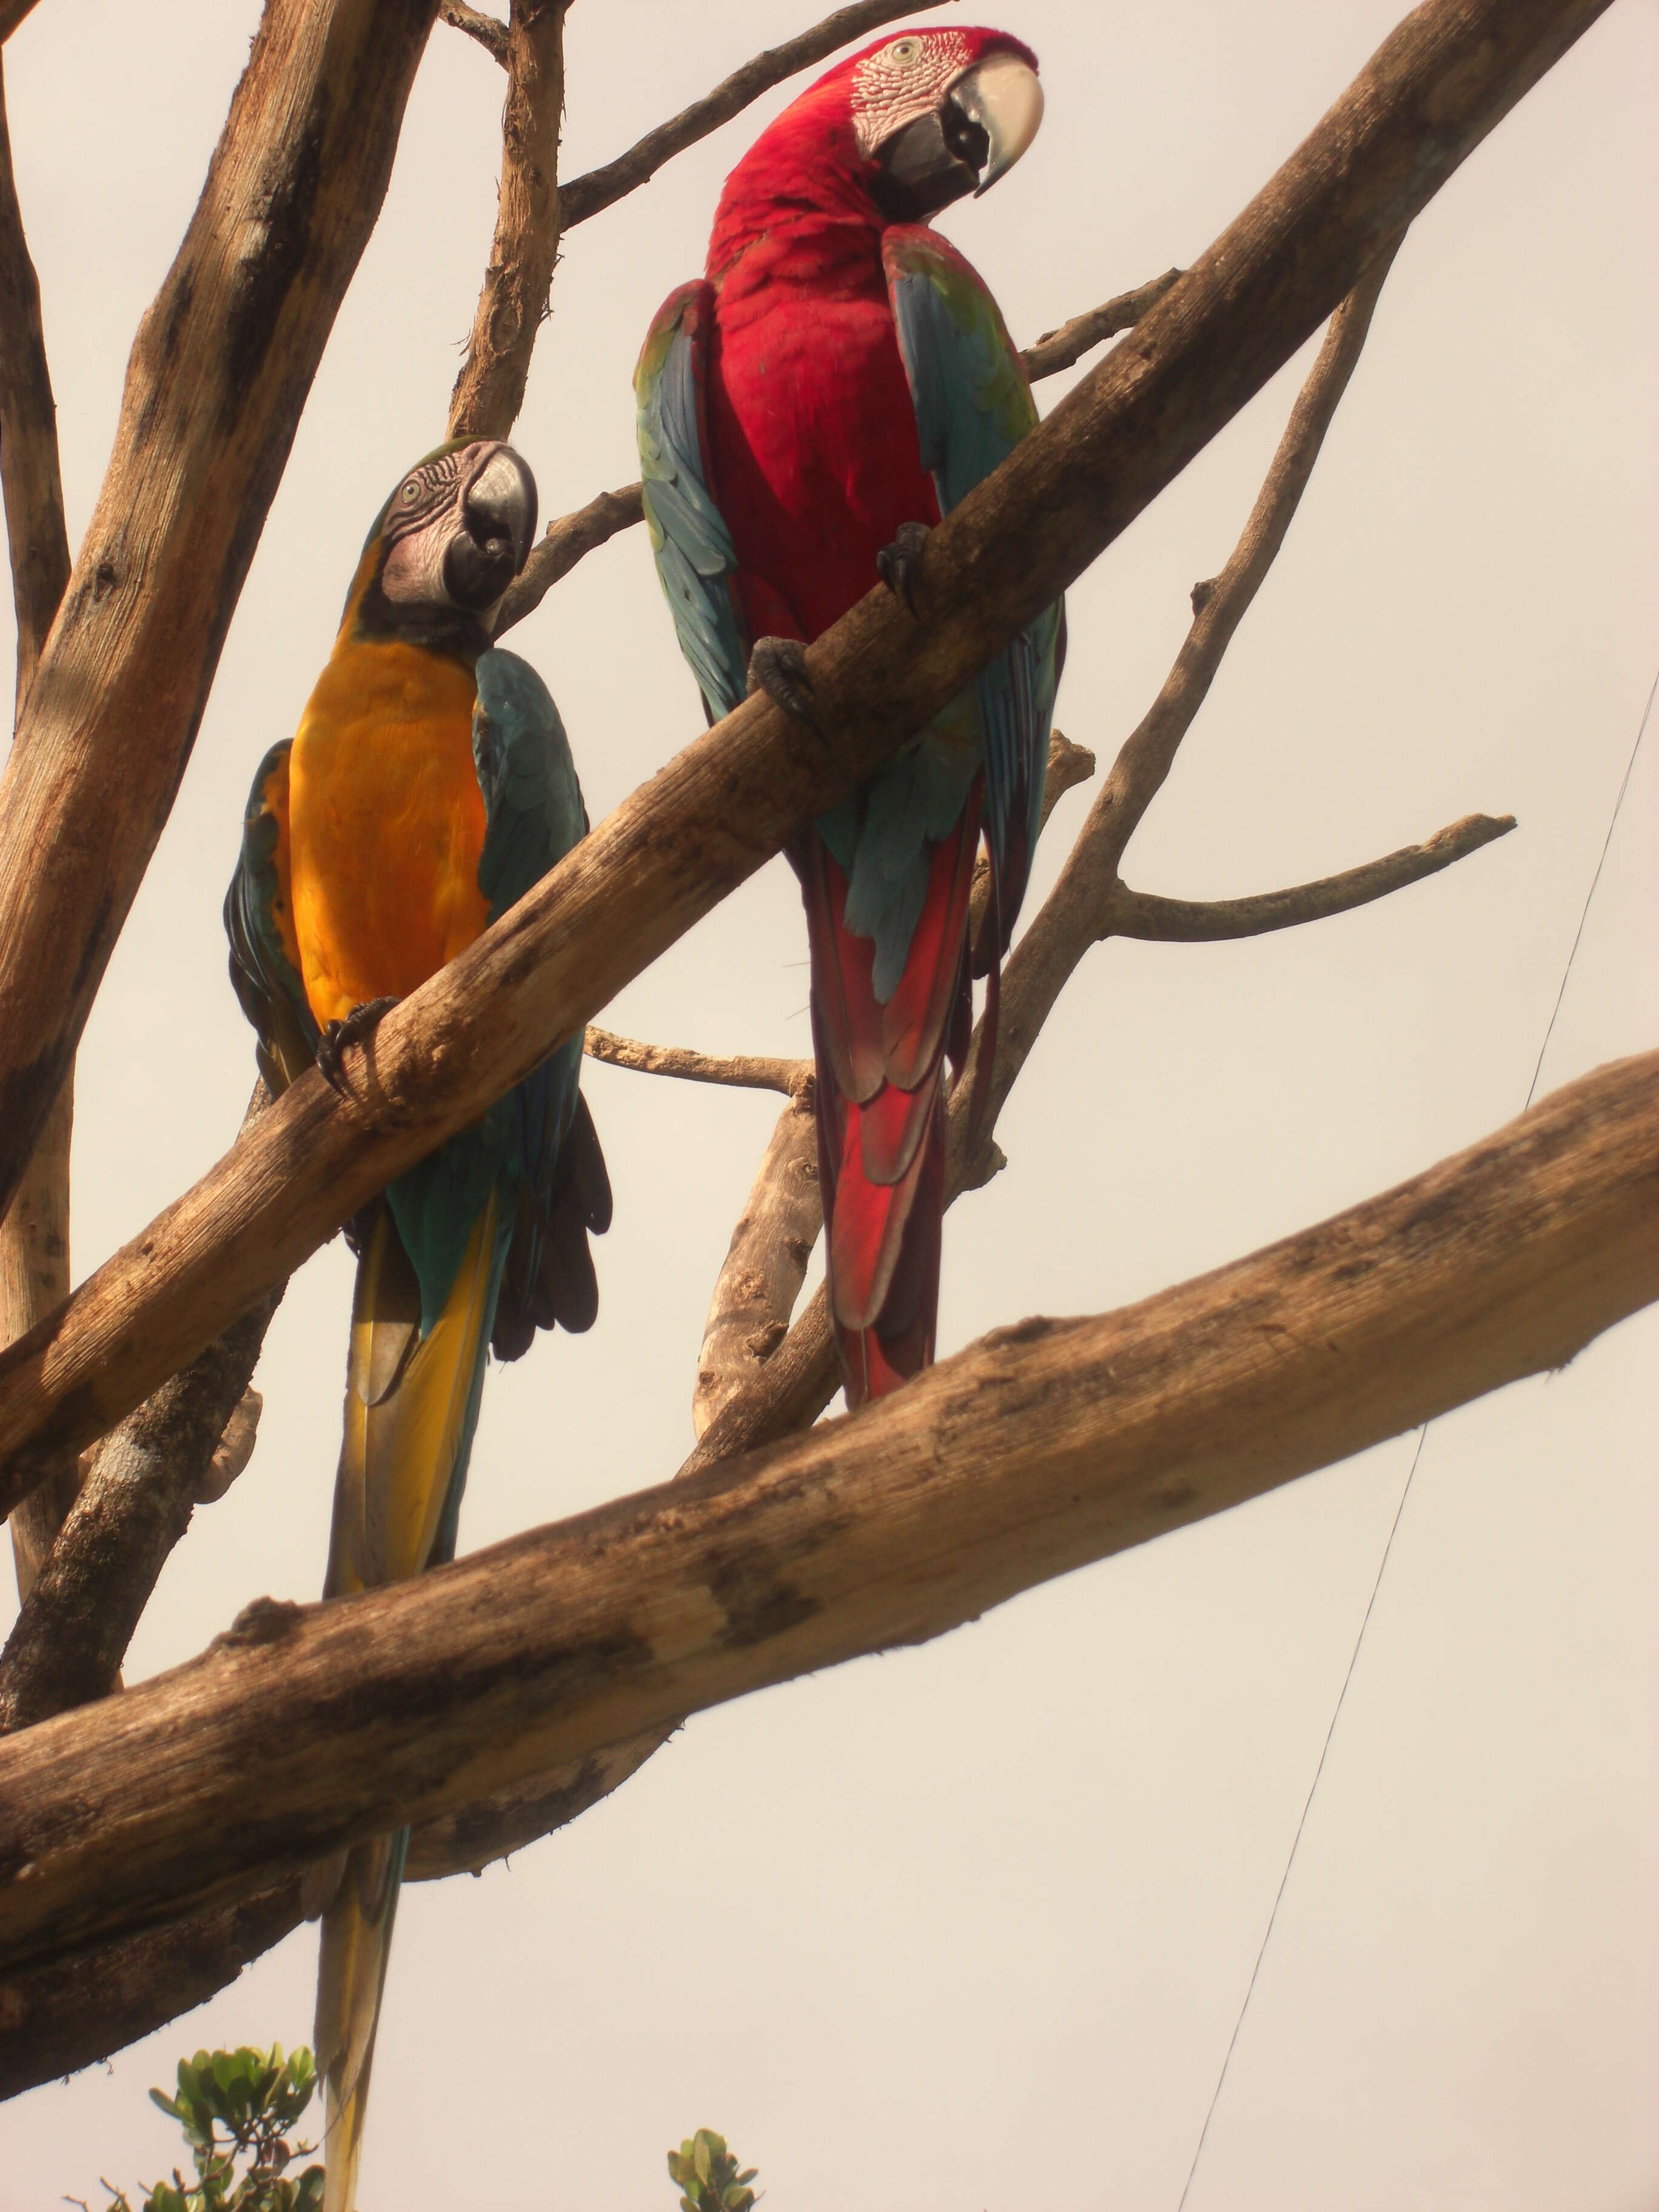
<point>919,172</point>
<point>475,572</point>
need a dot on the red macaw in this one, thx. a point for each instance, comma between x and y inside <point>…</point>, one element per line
<point>837,381</point>
<point>428,786</point>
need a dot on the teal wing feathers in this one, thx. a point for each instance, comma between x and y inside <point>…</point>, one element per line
<point>695,555</point>
<point>973,406</point>
<point>533,816</point>
<point>263,970</point>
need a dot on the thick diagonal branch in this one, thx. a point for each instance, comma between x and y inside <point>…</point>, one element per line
<point>489,389</point>
<point>72,2013</point>
<point>599,189</point>
<point>711,818</point>
<point>1041,1447</point>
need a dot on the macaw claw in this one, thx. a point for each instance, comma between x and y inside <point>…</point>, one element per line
<point>778,666</point>
<point>899,565</point>
<point>361,1022</point>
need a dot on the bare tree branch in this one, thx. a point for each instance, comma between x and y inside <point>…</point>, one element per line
<point>599,189</point>
<point>12,13</point>
<point>1207,921</point>
<point>737,1072</point>
<point>755,1290</point>
<point>1076,913</point>
<point>1061,348</point>
<point>35,1266</point>
<point>490,31</point>
<point>30,473</point>
<point>74,2012</point>
<point>708,819</point>
<point>1041,1447</point>
<point>563,543</point>
<point>219,371</point>
<point>489,389</point>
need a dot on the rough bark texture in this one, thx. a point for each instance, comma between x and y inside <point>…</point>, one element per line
<point>75,2011</point>
<point>755,1290</point>
<point>489,389</point>
<point>35,1262</point>
<point>714,815</point>
<point>146,1478</point>
<point>219,369</point>
<point>1041,1447</point>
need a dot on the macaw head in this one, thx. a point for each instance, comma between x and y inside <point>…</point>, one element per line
<point>904,127</point>
<point>446,545</point>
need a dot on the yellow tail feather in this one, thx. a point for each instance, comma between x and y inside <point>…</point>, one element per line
<point>405,1428</point>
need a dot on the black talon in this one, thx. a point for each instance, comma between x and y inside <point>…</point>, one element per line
<point>359,1023</point>
<point>778,666</point>
<point>899,565</point>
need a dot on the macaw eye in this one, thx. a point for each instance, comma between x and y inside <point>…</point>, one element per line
<point>904,50</point>
<point>411,492</point>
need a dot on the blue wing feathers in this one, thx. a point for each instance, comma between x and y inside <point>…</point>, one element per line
<point>695,555</point>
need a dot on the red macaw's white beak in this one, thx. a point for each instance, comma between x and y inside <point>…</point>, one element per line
<point>1002,94</point>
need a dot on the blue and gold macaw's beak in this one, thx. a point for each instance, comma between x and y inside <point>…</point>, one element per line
<point>497,527</point>
<point>459,528</point>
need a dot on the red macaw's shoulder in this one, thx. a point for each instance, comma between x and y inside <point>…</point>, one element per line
<point>688,309</point>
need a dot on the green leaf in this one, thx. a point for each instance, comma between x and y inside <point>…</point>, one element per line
<point>699,2156</point>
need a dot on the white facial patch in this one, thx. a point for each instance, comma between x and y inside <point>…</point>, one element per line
<point>903,80</point>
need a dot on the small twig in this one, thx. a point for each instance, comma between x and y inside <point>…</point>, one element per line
<point>1207,921</point>
<point>1060,348</point>
<point>599,189</point>
<point>742,1071</point>
<point>512,300</point>
<point>490,31</point>
<point>564,543</point>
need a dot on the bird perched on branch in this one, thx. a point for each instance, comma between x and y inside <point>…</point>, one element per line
<point>836,381</point>
<point>428,786</point>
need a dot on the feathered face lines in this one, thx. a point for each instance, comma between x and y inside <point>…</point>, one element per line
<point>456,530</point>
<point>940,113</point>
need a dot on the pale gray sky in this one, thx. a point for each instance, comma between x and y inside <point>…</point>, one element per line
<point>973,1923</point>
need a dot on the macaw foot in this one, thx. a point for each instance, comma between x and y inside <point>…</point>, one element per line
<point>778,666</point>
<point>361,1022</point>
<point>899,565</point>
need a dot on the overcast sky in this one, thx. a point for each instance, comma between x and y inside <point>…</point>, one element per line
<point>970,1927</point>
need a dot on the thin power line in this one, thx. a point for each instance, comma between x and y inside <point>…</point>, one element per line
<point>1422,1438</point>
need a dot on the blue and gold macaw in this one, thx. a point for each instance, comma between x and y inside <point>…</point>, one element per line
<point>428,786</point>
